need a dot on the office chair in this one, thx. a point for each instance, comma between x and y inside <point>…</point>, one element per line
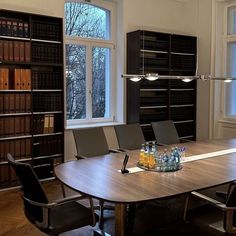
<point>130,136</point>
<point>216,217</point>
<point>165,132</point>
<point>55,217</point>
<point>91,142</point>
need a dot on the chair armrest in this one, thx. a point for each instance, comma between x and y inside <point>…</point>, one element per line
<point>184,140</point>
<point>161,144</point>
<point>115,150</point>
<point>79,157</point>
<point>57,202</point>
<point>212,201</point>
<point>72,198</point>
<point>47,206</point>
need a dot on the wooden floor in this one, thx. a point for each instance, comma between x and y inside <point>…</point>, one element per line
<point>13,221</point>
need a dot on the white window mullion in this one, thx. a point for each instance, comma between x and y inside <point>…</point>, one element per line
<point>80,31</point>
<point>89,82</point>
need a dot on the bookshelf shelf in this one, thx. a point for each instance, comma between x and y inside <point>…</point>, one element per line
<point>14,38</point>
<point>51,134</point>
<point>150,101</point>
<point>46,41</point>
<point>16,137</point>
<point>15,114</point>
<point>47,90</point>
<point>48,112</point>
<point>46,64</point>
<point>31,93</point>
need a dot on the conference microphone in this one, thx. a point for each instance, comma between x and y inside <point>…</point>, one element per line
<point>124,170</point>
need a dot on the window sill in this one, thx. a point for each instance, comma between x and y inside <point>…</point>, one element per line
<point>229,122</point>
<point>78,126</point>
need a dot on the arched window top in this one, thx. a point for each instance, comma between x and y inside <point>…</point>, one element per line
<point>87,21</point>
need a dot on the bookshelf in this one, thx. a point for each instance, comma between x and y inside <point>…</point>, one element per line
<point>149,101</point>
<point>31,93</point>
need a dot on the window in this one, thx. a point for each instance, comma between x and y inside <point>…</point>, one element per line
<point>230,50</point>
<point>90,57</point>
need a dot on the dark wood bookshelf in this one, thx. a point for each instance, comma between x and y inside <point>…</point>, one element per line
<point>31,93</point>
<point>150,101</point>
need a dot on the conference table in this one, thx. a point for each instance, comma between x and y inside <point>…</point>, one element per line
<point>206,164</point>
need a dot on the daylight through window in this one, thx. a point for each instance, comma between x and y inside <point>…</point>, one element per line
<point>89,62</point>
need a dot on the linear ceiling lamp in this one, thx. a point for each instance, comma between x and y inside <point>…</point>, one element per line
<point>152,77</point>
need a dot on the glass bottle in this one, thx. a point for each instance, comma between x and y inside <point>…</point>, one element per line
<point>142,155</point>
<point>151,163</point>
<point>146,155</point>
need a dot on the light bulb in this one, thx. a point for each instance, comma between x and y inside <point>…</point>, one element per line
<point>151,77</point>
<point>187,80</point>
<point>228,80</point>
<point>135,79</point>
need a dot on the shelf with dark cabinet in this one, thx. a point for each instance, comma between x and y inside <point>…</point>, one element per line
<point>31,93</point>
<point>150,101</point>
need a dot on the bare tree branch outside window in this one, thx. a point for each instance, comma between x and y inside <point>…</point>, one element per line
<point>87,21</point>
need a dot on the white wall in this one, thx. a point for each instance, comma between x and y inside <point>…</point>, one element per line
<point>158,15</point>
<point>204,67</point>
<point>44,7</point>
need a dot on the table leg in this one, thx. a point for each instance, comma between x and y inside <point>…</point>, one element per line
<point>120,219</point>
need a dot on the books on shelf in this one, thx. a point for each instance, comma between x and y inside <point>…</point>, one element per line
<point>4,78</point>
<point>22,79</point>
<point>43,124</point>
<point>46,79</point>
<point>51,102</point>
<point>31,121</point>
<point>15,126</point>
<point>15,103</point>
<point>15,51</point>
<point>43,146</point>
<point>14,27</point>
<point>20,148</point>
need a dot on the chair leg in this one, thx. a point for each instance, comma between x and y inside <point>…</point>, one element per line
<point>63,190</point>
<point>186,208</point>
<point>101,220</point>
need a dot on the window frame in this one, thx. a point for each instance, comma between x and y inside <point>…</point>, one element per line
<point>226,39</point>
<point>89,43</point>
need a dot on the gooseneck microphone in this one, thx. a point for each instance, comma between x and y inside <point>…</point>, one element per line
<point>123,169</point>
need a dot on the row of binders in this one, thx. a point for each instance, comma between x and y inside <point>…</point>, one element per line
<point>15,126</point>
<point>20,79</point>
<point>46,30</point>
<point>46,52</point>
<point>7,176</point>
<point>15,103</point>
<point>19,148</point>
<point>45,146</point>
<point>46,80</point>
<point>43,124</point>
<point>17,51</point>
<point>14,27</point>
<point>51,102</point>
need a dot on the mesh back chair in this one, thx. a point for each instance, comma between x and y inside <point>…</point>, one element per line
<point>215,218</point>
<point>165,132</point>
<point>51,218</point>
<point>91,142</point>
<point>129,136</point>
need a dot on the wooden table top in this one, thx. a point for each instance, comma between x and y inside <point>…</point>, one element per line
<point>98,177</point>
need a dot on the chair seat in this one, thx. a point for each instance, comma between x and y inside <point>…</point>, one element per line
<point>209,219</point>
<point>69,216</point>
